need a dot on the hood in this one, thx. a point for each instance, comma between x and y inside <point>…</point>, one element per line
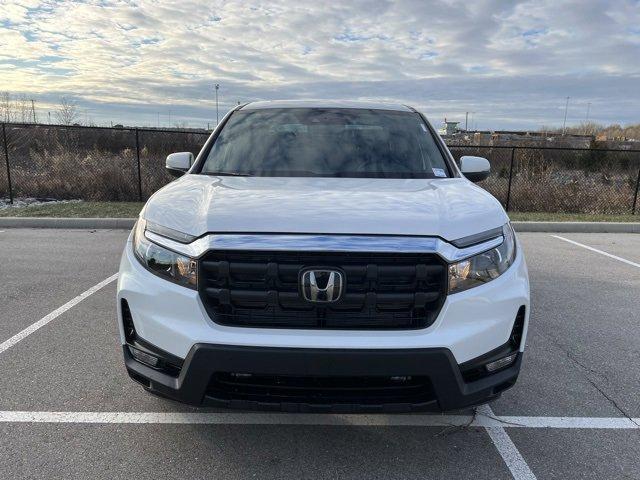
<point>449,208</point>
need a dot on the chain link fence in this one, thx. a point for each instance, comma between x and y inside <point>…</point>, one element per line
<point>561,180</point>
<point>127,164</point>
<point>89,163</point>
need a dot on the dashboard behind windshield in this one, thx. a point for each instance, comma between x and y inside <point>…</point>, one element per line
<point>326,142</point>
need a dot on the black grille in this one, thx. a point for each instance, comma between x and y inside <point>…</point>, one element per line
<point>382,290</point>
<point>320,390</point>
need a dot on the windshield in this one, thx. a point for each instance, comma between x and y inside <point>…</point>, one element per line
<point>326,142</point>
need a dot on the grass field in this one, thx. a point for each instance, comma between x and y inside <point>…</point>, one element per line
<point>132,209</point>
<point>77,209</point>
<point>570,217</point>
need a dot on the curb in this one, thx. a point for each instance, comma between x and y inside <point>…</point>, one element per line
<point>127,224</point>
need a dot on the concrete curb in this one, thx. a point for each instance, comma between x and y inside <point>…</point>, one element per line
<point>127,224</point>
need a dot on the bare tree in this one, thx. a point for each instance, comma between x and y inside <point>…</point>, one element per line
<point>23,109</point>
<point>67,112</point>
<point>6,108</point>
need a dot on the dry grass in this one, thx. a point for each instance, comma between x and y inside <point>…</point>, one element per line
<point>570,183</point>
<point>102,166</point>
<point>88,175</point>
<point>570,217</point>
<point>89,164</point>
<point>77,210</point>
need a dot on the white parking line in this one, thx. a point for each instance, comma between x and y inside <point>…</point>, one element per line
<point>56,313</point>
<point>611,423</point>
<point>615,257</point>
<point>512,457</point>
<point>236,418</point>
<point>486,419</point>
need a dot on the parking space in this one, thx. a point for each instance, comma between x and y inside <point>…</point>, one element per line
<point>247,451</point>
<point>583,332</point>
<point>43,269</point>
<point>581,361</point>
<point>623,245</point>
<point>571,454</point>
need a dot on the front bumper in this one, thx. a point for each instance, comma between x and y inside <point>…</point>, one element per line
<point>444,385</point>
<point>470,323</point>
<point>471,326</point>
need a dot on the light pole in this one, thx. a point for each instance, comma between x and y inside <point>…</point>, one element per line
<point>564,123</point>
<point>217,87</point>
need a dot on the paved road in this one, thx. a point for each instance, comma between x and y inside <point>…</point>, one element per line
<point>581,361</point>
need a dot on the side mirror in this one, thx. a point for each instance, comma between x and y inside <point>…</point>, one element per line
<point>475,169</point>
<point>179,163</point>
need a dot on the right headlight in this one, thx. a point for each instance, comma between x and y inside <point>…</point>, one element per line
<point>484,267</point>
<point>162,262</point>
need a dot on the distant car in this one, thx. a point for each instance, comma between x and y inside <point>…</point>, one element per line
<point>324,256</point>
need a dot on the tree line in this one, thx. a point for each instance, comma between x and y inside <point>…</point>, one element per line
<point>21,109</point>
<point>610,132</point>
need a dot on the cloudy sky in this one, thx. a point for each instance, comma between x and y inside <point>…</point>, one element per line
<point>147,62</point>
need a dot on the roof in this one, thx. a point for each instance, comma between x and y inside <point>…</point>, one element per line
<point>324,104</point>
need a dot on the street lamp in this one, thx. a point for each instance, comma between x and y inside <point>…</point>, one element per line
<point>564,123</point>
<point>217,87</point>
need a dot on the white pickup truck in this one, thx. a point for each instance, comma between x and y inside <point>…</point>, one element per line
<point>324,256</point>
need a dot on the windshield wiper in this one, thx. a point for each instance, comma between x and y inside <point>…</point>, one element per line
<point>229,174</point>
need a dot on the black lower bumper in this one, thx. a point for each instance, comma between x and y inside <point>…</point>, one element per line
<point>318,380</point>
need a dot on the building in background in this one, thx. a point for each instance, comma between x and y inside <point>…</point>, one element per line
<point>449,128</point>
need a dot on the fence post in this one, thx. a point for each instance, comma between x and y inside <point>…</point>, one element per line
<point>138,159</point>
<point>6,156</point>
<point>513,151</point>
<point>635,195</point>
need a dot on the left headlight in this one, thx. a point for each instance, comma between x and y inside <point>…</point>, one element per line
<point>484,267</point>
<point>162,262</point>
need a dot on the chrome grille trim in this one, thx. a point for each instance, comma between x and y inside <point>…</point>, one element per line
<point>325,243</point>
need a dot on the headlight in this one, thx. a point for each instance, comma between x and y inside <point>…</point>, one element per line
<point>484,267</point>
<point>158,260</point>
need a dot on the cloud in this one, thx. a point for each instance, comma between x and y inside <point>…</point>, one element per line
<point>511,62</point>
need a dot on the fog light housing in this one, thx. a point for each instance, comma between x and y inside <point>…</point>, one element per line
<point>144,357</point>
<point>501,363</point>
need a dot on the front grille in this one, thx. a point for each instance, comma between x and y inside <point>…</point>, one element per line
<point>381,291</point>
<point>320,390</point>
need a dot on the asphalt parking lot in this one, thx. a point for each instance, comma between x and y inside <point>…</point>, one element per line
<point>68,408</point>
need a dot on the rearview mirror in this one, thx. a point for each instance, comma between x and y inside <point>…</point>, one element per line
<point>179,163</point>
<point>475,169</point>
